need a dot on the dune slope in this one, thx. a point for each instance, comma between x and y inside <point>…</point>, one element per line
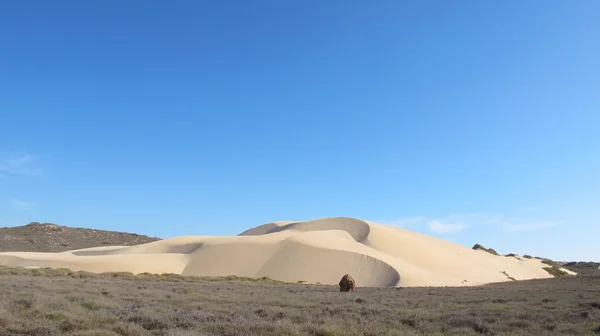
<point>316,251</point>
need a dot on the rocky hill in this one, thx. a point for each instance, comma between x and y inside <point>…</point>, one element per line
<point>48,237</point>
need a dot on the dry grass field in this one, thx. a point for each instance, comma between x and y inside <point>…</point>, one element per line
<point>59,302</point>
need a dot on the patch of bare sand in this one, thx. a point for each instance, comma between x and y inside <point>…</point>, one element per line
<point>315,251</point>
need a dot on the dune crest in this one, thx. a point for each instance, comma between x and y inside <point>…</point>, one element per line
<point>315,251</point>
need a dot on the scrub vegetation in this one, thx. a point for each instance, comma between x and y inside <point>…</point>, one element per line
<point>61,302</point>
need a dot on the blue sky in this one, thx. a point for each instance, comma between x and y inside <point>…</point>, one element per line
<point>474,121</point>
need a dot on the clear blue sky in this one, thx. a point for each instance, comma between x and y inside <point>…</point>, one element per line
<point>474,121</point>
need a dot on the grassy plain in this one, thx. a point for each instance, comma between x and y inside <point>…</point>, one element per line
<point>47,302</point>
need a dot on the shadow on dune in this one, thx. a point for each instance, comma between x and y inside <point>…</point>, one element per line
<point>357,228</point>
<point>316,264</point>
<point>149,248</point>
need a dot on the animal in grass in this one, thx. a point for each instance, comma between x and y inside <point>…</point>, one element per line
<point>347,283</point>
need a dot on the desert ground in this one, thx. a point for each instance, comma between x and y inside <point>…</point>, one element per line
<point>318,251</point>
<point>44,302</point>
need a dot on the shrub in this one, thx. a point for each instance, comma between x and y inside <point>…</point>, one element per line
<point>556,271</point>
<point>107,306</point>
<point>481,247</point>
<point>550,262</point>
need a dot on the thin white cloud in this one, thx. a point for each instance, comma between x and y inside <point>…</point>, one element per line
<point>448,224</point>
<point>20,160</point>
<point>403,222</point>
<point>23,164</point>
<point>531,226</point>
<point>21,204</point>
<point>439,227</point>
<point>460,221</point>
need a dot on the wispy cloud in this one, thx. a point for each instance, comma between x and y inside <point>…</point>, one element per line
<point>460,221</point>
<point>436,225</point>
<point>439,227</point>
<point>403,222</point>
<point>22,164</point>
<point>21,204</point>
<point>531,226</point>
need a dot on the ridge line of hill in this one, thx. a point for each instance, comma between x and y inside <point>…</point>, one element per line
<point>50,237</point>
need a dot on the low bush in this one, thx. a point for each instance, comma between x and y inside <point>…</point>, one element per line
<point>152,304</point>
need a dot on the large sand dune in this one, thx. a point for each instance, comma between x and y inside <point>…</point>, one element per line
<point>319,250</point>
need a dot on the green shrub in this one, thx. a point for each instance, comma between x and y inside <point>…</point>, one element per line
<point>556,271</point>
<point>488,250</point>
<point>550,262</point>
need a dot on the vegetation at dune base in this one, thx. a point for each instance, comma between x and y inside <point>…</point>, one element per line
<point>583,267</point>
<point>554,268</point>
<point>555,271</point>
<point>63,302</point>
<point>171,277</point>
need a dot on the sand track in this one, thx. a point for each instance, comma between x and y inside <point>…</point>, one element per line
<point>315,251</point>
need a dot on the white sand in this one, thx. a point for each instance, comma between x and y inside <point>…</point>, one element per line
<point>314,251</point>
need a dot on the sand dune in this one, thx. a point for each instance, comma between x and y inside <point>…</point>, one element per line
<point>316,251</point>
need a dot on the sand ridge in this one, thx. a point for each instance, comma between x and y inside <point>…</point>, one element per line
<point>315,251</point>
